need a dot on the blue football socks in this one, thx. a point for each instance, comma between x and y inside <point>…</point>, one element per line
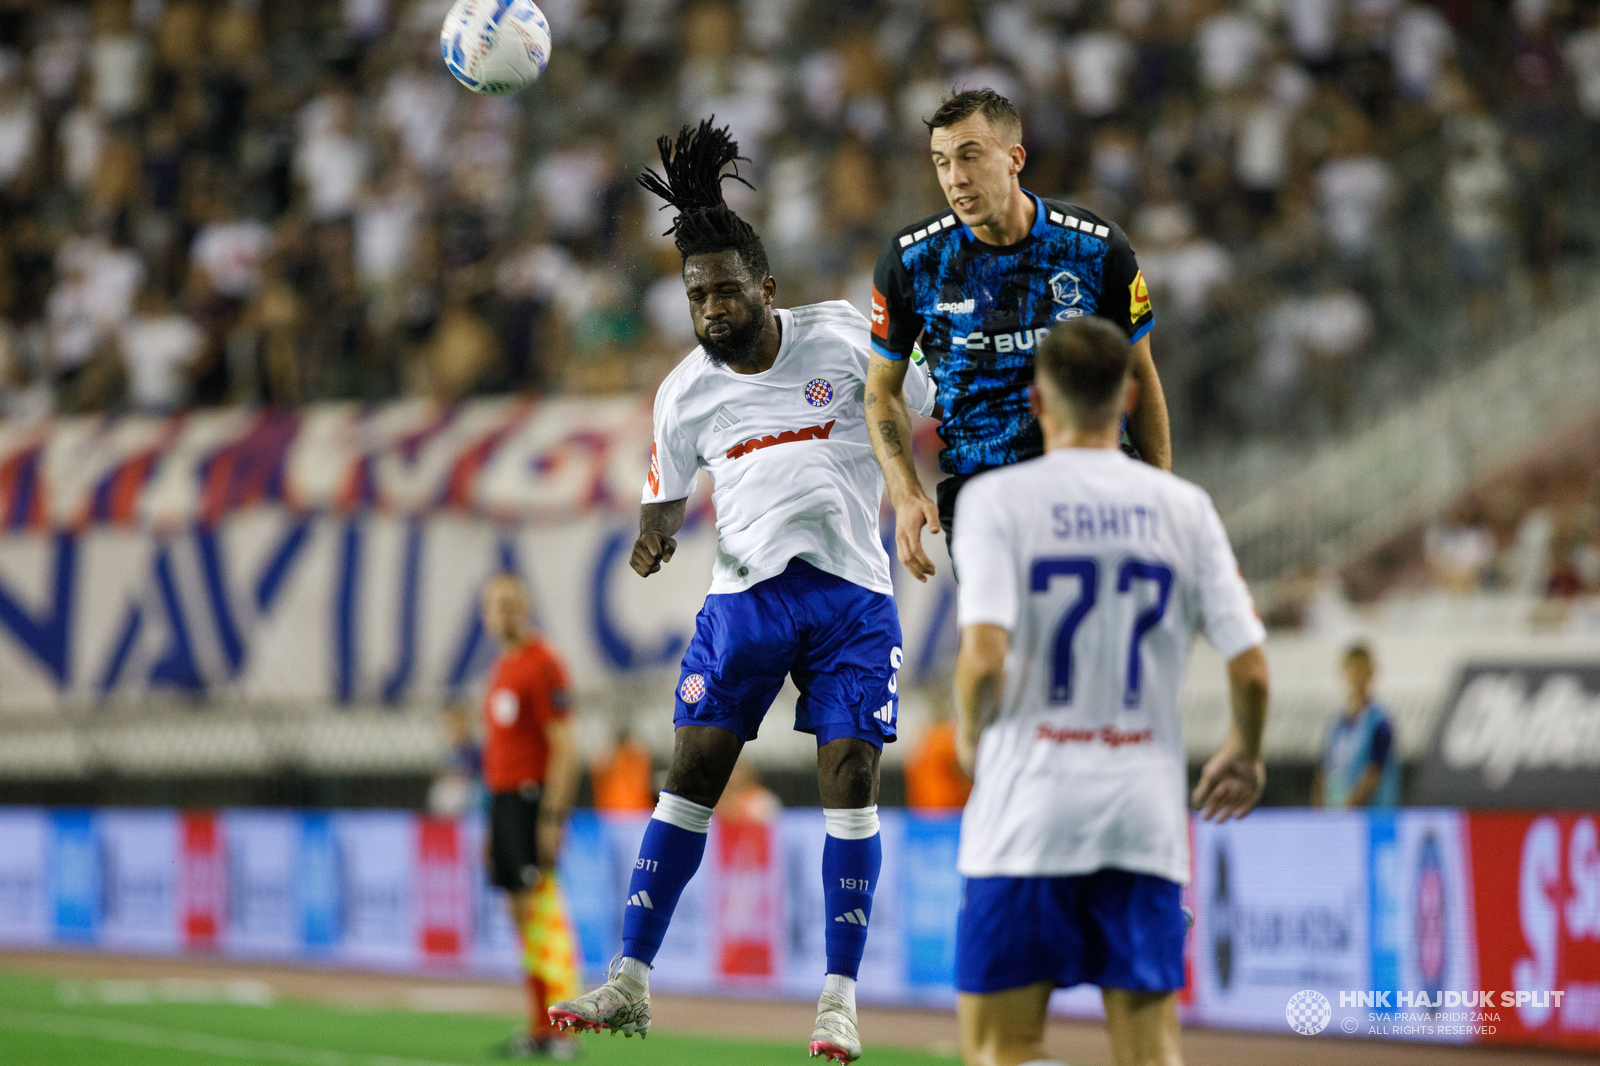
<point>674,843</point>
<point>851,860</point>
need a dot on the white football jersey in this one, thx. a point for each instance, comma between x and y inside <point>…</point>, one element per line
<point>791,466</point>
<point>1102,568</point>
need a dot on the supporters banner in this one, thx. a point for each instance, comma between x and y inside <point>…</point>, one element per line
<point>335,555</point>
<point>1431,925</point>
<point>1521,735</point>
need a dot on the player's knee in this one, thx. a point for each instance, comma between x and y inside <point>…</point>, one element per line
<point>849,776</point>
<point>701,763</point>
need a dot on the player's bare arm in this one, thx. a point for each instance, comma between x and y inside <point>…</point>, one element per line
<point>1147,422</point>
<point>1366,785</point>
<point>889,425</point>
<point>560,789</point>
<point>658,522</point>
<point>980,673</point>
<point>1232,780</point>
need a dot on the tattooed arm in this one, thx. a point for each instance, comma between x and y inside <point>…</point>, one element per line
<point>889,424</point>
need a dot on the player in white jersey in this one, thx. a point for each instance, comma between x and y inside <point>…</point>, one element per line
<point>1084,577</point>
<point>770,405</point>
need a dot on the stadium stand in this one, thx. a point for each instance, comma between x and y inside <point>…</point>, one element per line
<point>209,202</point>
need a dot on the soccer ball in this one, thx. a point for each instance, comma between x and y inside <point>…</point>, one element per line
<point>495,47</point>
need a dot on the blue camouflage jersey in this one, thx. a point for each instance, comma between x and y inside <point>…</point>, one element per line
<point>981,310</point>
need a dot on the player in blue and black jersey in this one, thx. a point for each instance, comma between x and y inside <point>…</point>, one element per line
<point>981,284</point>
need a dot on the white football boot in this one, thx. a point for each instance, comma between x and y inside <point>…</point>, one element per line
<point>835,1037</point>
<point>621,1005</point>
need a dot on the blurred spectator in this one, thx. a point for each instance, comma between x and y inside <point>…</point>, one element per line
<point>934,780</point>
<point>1355,190</point>
<point>457,788</point>
<point>1582,54</point>
<point>746,799</point>
<point>19,122</point>
<point>1421,43</point>
<point>1458,548</point>
<point>1185,268</point>
<point>463,349</point>
<point>330,160</point>
<point>623,778</point>
<point>159,350</point>
<point>1099,62</point>
<point>25,393</point>
<point>1232,44</point>
<point>1478,191</point>
<point>229,251</point>
<point>1360,762</point>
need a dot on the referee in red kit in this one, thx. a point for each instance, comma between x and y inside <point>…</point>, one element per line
<point>530,768</point>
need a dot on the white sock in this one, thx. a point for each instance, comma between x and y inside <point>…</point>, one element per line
<point>841,986</point>
<point>635,970</point>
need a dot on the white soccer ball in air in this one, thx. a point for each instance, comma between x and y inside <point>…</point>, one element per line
<point>495,47</point>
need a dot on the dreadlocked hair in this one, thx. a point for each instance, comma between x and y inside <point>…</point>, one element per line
<point>693,186</point>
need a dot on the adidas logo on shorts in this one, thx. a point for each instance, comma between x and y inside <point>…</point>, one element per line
<point>855,917</point>
<point>642,899</point>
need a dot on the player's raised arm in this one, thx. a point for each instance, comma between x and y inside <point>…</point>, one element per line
<point>889,425</point>
<point>658,523</point>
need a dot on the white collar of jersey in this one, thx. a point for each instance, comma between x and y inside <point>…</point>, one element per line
<point>785,341</point>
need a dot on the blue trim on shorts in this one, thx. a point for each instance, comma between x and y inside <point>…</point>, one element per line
<point>1111,928</point>
<point>838,640</point>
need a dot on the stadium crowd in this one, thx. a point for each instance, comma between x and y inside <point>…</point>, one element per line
<point>243,201</point>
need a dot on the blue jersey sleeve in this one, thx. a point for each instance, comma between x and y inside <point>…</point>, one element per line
<point>1123,296</point>
<point>896,325</point>
<point>1382,740</point>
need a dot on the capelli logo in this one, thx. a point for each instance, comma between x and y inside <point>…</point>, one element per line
<point>959,307</point>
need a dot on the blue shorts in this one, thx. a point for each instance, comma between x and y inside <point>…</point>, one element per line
<point>839,641</point>
<point>1110,928</point>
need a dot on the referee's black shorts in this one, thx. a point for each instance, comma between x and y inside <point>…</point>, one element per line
<point>514,839</point>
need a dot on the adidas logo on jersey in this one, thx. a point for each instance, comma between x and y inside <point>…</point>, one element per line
<point>641,899</point>
<point>885,713</point>
<point>726,419</point>
<point>855,917</point>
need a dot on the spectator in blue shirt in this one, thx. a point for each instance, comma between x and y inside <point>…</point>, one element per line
<point>1360,765</point>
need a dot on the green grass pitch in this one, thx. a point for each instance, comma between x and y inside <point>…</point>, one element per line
<point>40,1027</point>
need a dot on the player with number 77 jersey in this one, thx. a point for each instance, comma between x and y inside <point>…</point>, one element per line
<point>1085,575</point>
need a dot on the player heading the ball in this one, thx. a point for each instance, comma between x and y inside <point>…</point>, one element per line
<point>1084,576</point>
<point>770,405</point>
<point>981,284</point>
